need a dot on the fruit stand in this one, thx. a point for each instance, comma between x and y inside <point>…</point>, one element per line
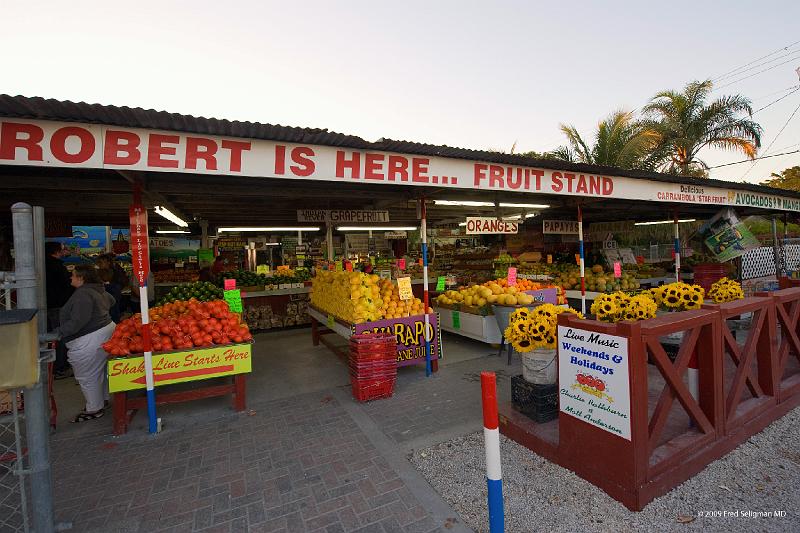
<point>191,341</point>
<point>350,303</point>
<point>468,311</point>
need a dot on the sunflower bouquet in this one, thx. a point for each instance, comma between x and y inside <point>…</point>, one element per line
<point>529,329</point>
<point>678,296</point>
<point>726,290</point>
<point>619,306</point>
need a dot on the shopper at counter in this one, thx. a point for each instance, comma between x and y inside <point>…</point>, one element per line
<point>57,283</point>
<point>85,324</point>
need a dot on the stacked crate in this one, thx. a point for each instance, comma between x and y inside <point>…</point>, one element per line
<point>373,365</point>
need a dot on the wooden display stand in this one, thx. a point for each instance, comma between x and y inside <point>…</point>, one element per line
<point>345,329</point>
<point>231,361</point>
<point>125,407</point>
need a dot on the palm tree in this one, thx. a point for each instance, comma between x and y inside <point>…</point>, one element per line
<point>620,141</point>
<point>684,124</point>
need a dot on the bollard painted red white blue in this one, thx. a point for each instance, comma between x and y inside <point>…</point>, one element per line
<point>491,436</point>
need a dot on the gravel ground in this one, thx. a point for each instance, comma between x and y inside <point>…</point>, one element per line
<point>763,474</point>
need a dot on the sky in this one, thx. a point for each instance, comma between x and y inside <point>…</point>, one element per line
<point>480,75</point>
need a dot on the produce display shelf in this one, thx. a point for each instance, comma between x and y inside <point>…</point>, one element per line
<point>338,326</point>
<point>473,326</point>
<point>277,292</point>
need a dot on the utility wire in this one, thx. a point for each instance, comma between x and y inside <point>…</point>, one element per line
<point>775,139</point>
<point>756,73</point>
<point>757,60</point>
<point>776,101</point>
<point>754,159</point>
<point>776,92</point>
<point>765,63</point>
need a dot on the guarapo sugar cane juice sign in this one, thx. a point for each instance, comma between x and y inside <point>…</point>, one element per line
<point>411,336</point>
<point>62,144</point>
<point>593,377</point>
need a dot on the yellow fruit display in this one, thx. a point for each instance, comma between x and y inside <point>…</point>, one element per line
<point>486,294</point>
<point>357,297</point>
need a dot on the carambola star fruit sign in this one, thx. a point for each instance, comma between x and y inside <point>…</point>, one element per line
<point>75,145</point>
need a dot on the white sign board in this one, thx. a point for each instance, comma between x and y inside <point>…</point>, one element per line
<point>627,256</point>
<point>342,215</point>
<point>83,145</point>
<point>488,225</point>
<point>395,235</point>
<point>593,374</point>
<point>560,227</point>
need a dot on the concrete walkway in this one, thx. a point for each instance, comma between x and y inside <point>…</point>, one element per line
<point>305,457</point>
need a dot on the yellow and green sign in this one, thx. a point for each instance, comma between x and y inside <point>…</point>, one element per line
<point>203,363</point>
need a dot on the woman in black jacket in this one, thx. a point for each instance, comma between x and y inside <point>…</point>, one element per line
<point>85,324</point>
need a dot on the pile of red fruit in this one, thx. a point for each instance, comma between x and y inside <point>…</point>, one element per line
<point>178,326</point>
<point>591,381</point>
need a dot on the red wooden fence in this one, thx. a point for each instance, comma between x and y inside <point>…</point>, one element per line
<point>744,385</point>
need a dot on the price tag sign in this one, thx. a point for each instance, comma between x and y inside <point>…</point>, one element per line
<point>617,269</point>
<point>372,260</point>
<point>283,267</point>
<point>456,320</point>
<point>419,261</point>
<point>512,276</point>
<point>349,266</point>
<point>229,284</point>
<point>338,266</point>
<point>234,299</point>
<point>549,259</point>
<point>262,269</point>
<point>440,282</point>
<point>178,264</point>
<point>331,320</point>
<point>404,287</point>
<point>577,259</point>
<point>401,264</point>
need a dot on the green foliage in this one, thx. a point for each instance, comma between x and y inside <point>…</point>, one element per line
<point>684,124</point>
<point>789,179</point>
<point>620,141</point>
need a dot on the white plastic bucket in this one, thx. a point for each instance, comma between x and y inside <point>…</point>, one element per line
<point>539,366</point>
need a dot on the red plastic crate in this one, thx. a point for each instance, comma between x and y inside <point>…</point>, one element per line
<point>364,391</point>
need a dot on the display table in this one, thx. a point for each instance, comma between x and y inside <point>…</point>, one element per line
<point>478,327</point>
<point>126,374</point>
<point>410,333</point>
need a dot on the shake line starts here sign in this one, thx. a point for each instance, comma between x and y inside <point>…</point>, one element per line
<point>593,374</point>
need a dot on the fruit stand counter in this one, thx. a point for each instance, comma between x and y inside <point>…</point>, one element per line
<point>276,308</point>
<point>468,324</point>
<point>410,332</point>
<point>126,374</point>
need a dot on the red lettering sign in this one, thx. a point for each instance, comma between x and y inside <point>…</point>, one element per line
<point>140,251</point>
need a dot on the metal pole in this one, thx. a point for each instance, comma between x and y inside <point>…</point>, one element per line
<point>425,297</point>
<point>329,239</point>
<point>784,254</point>
<point>581,260</point>
<point>36,419</point>
<point>491,440</point>
<point>677,248</point>
<point>109,244</point>
<point>39,257</point>
<point>776,247</point>
<point>204,233</point>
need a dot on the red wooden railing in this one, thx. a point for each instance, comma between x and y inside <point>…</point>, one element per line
<point>742,388</point>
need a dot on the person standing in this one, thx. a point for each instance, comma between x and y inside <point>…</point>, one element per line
<point>85,324</point>
<point>59,289</point>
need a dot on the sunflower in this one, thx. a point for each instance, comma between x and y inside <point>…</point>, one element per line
<point>520,314</point>
<point>522,345</point>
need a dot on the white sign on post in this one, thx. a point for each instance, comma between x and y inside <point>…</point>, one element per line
<point>489,225</point>
<point>560,227</point>
<point>350,216</point>
<point>593,374</point>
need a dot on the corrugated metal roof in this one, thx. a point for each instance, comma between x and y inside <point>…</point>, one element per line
<point>51,109</point>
